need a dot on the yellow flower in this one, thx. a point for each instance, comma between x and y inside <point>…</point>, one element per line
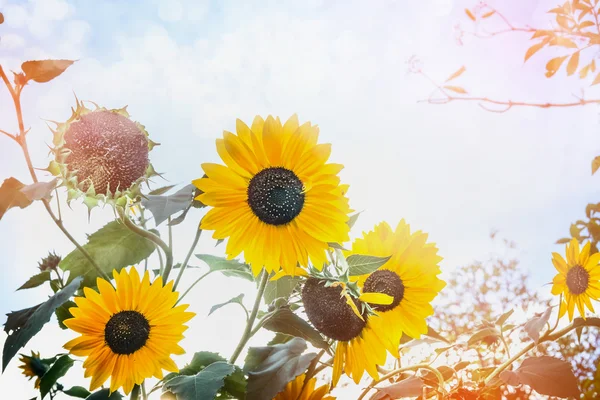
<point>276,198</point>
<point>33,367</point>
<point>297,390</point>
<point>127,334</point>
<point>409,277</point>
<point>578,278</point>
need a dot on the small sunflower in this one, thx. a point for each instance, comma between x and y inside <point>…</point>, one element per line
<point>276,198</point>
<point>410,277</point>
<point>129,333</point>
<point>33,367</point>
<point>578,278</point>
<point>298,390</point>
<point>101,155</point>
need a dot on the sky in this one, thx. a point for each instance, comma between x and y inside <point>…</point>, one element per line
<point>188,69</point>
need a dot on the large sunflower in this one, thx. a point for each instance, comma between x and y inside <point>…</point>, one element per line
<point>276,198</point>
<point>33,367</point>
<point>410,276</point>
<point>129,333</point>
<point>297,390</point>
<point>578,278</point>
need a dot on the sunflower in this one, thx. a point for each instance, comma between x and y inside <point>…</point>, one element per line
<point>578,278</point>
<point>33,367</point>
<point>298,390</point>
<point>129,333</point>
<point>276,198</point>
<point>409,277</point>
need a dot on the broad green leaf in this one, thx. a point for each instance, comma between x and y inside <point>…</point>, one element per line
<point>359,264</point>
<point>546,375</point>
<point>202,386</point>
<point>162,207</point>
<point>286,322</point>
<point>63,313</point>
<point>280,338</point>
<point>77,391</point>
<point>504,317</point>
<point>352,220</point>
<point>270,368</point>
<point>45,70</point>
<point>534,326</point>
<point>11,196</point>
<point>231,268</point>
<point>113,247</point>
<point>39,190</point>
<point>56,371</point>
<point>282,287</point>
<point>104,394</point>
<point>235,300</point>
<point>36,321</point>
<point>484,334</point>
<point>16,319</point>
<point>161,190</point>
<point>595,164</point>
<point>36,280</point>
<point>409,387</point>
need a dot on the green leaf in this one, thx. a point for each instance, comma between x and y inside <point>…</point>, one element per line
<point>286,322</point>
<point>104,394</point>
<point>56,371</point>
<point>282,287</point>
<point>35,322</point>
<point>409,387</point>
<point>77,391</point>
<point>63,313</point>
<point>280,338</point>
<point>360,264</point>
<point>353,219</point>
<point>162,190</point>
<point>595,164</point>
<point>534,326</point>
<point>113,247</point>
<point>16,319</point>
<point>546,375</point>
<point>504,317</point>
<point>270,368</point>
<point>11,196</point>
<point>36,280</point>
<point>162,207</point>
<point>231,268</point>
<point>483,334</point>
<point>39,190</point>
<point>235,300</point>
<point>45,70</point>
<point>204,385</point>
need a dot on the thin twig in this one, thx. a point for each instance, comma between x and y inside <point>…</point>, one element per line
<point>416,367</point>
<point>187,257</point>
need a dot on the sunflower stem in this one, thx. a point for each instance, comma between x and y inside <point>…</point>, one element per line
<point>415,367</point>
<point>144,395</point>
<point>558,314</point>
<point>21,139</point>
<point>135,393</point>
<point>192,286</point>
<point>248,330</point>
<point>187,258</point>
<point>310,372</point>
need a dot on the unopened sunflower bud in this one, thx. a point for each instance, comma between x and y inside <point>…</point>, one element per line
<point>50,262</point>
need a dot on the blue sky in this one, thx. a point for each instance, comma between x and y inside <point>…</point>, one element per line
<point>188,69</point>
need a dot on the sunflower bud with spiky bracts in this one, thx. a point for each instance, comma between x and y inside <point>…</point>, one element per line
<point>102,156</point>
<point>34,367</point>
<point>50,262</point>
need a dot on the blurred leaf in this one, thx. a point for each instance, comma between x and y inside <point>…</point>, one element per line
<point>586,24</point>
<point>286,322</point>
<point>77,391</point>
<point>441,350</point>
<point>461,365</point>
<point>161,190</point>
<point>554,65</point>
<point>595,164</point>
<point>563,22</point>
<point>113,247</point>
<point>360,264</point>
<point>353,219</point>
<point>488,14</point>
<point>202,386</point>
<point>162,207</point>
<point>11,196</point>
<point>16,319</point>
<point>481,373</point>
<point>270,368</point>
<point>282,287</point>
<point>45,70</point>
<point>546,375</point>
<point>36,280</point>
<point>583,72</point>
<point>36,321</point>
<point>563,240</point>
<point>39,190</point>
<point>104,394</point>
<point>336,246</point>
<point>280,338</point>
<point>534,326</point>
<point>430,379</point>
<point>409,387</point>
<point>235,300</point>
<point>433,334</point>
<point>562,41</point>
<point>456,89</point>
<point>469,14</point>
<point>231,268</point>
<point>595,82</point>
<point>534,49</point>
<point>573,64</point>
<point>56,371</point>
<point>63,313</point>
<point>502,319</point>
<point>507,327</point>
<point>457,73</point>
<point>483,334</point>
<point>1,18</point>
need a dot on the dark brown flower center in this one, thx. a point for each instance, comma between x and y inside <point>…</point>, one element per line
<point>577,279</point>
<point>276,195</point>
<point>328,311</point>
<point>388,282</point>
<point>107,150</point>
<point>126,332</point>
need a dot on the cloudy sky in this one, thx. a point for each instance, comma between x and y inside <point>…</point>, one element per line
<point>188,69</point>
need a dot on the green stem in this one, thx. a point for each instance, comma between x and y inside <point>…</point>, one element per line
<point>248,330</point>
<point>170,228</point>
<point>416,367</point>
<point>192,286</point>
<point>505,344</point>
<point>144,395</point>
<point>135,393</point>
<point>187,258</point>
<point>154,239</point>
<point>310,372</point>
